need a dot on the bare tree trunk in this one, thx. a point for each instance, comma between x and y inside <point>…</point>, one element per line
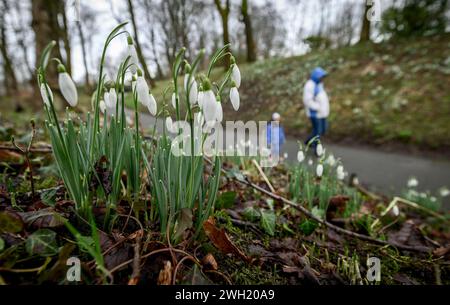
<point>87,83</point>
<point>138,45</point>
<point>251,46</point>
<point>10,79</point>
<point>365,29</point>
<point>64,30</point>
<point>224,12</point>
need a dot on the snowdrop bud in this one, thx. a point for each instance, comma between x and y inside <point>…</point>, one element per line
<point>133,61</point>
<point>395,210</point>
<point>169,124</point>
<point>340,172</point>
<point>113,97</point>
<point>412,182</point>
<point>142,89</point>
<point>319,170</point>
<point>209,106</point>
<point>236,75</point>
<point>102,106</point>
<point>193,93</point>
<point>151,106</point>
<point>67,86</point>
<point>174,101</point>
<point>300,156</point>
<point>234,98</point>
<point>219,111</point>
<point>319,149</point>
<point>46,98</point>
<point>200,99</point>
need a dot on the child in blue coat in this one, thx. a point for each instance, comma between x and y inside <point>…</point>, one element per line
<point>276,142</point>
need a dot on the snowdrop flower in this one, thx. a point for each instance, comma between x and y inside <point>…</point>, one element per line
<point>169,125</point>
<point>340,172</point>
<point>234,97</point>
<point>310,162</point>
<point>395,210</point>
<point>319,149</point>
<point>300,156</point>
<point>219,111</point>
<point>142,89</point>
<point>319,170</point>
<point>200,98</point>
<point>210,108</point>
<point>67,86</point>
<point>174,100</point>
<point>133,61</point>
<point>193,90</point>
<point>444,192</point>
<point>151,106</point>
<point>235,73</point>
<point>285,155</point>
<point>102,106</point>
<point>412,182</point>
<point>355,181</point>
<point>331,160</point>
<point>46,98</point>
<point>110,98</point>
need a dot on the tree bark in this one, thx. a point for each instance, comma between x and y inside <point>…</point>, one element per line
<point>224,12</point>
<point>138,45</point>
<point>10,79</point>
<point>64,30</point>
<point>365,29</point>
<point>87,83</point>
<point>251,46</point>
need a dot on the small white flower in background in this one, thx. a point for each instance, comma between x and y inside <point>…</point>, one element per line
<point>142,90</point>
<point>67,86</point>
<point>46,98</point>
<point>134,61</point>
<point>209,106</point>
<point>340,172</point>
<point>355,181</point>
<point>319,170</point>
<point>412,182</point>
<point>236,75</point>
<point>102,106</point>
<point>395,210</point>
<point>285,155</point>
<point>444,192</point>
<point>151,106</point>
<point>310,162</point>
<point>169,124</point>
<point>234,98</point>
<point>193,90</point>
<point>300,156</point>
<point>129,120</point>
<point>331,160</point>
<point>433,199</point>
<point>319,149</point>
<point>423,195</point>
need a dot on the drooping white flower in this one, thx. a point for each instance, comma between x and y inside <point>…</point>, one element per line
<point>395,210</point>
<point>169,124</point>
<point>234,98</point>
<point>310,162</point>
<point>300,156</point>
<point>200,99</point>
<point>209,106</point>
<point>151,106</point>
<point>285,155</point>
<point>331,160</point>
<point>46,97</point>
<point>133,61</point>
<point>174,100</point>
<point>319,170</point>
<point>142,90</point>
<point>319,150</point>
<point>67,86</point>
<point>236,75</point>
<point>444,192</point>
<point>102,106</point>
<point>412,182</point>
<point>113,97</point>
<point>340,174</point>
<point>107,100</point>
<point>219,112</point>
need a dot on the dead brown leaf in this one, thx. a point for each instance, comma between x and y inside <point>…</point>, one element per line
<point>165,275</point>
<point>209,262</point>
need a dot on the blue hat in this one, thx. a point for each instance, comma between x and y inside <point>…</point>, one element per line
<point>318,74</point>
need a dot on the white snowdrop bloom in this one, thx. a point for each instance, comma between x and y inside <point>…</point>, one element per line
<point>113,97</point>
<point>142,90</point>
<point>236,75</point>
<point>209,106</point>
<point>102,106</point>
<point>319,170</point>
<point>433,199</point>
<point>193,93</point>
<point>219,112</point>
<point>340,172</point>
<point>319,149</point>
<point>129,120</point>
<point>169,124</point>
<point>134,61</point>
<point>234,98</point>
<point>355,181</point>
<point>444,192</point>
<point>300,156</point>
<point>412,182</point>
<point>395,210</point>
<point>46,98</point>
<point>174,100</point>
<point>151,106</point>
<point>310,162</point>
<point>107,100</point>
<point>67,86</point>
<point>200,99</point>
<point>331,160</point>
<point>285,155</point>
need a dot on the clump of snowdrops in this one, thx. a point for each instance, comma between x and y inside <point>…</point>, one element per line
<point>102,160</point>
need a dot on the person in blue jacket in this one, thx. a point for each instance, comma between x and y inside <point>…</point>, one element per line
<point>275,135</point>
<point>317,104</point>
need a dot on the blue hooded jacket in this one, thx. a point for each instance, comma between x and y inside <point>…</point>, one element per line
<point>316,76</point>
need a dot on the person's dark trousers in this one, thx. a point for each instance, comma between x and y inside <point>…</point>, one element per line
<point>323,126</point>
<point>316,131</point>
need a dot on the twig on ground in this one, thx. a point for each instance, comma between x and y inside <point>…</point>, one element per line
<point>261,172</point>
